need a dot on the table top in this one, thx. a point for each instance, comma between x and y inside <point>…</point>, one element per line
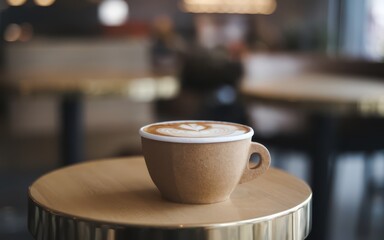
<point>118,194</point>
<point>140,86</point>
<point>341,92</point>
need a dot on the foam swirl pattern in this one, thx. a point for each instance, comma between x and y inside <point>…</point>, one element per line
<point>196,131</point>
<point>201,130</point>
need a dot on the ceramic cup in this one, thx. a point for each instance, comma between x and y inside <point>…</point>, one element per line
<point>200,162</point>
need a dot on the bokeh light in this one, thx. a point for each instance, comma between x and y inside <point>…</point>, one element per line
<point>44,3</point>
<point>18,32</point>
<point>12,33</point>
<point>230,6</point>
<point>113,12</point>
<point>16,2</point>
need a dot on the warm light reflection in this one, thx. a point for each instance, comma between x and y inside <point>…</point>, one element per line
<point>12,33</point>
<point>167,87</point>
<point>44,3</point>
<point>15,32</point>
<point>138,89</point>
<point>142,90</point>
<point>113,12</point>
<point>148,89</point>
<point>16,2</point>
<point>230,6</point>
<point>372,106</point>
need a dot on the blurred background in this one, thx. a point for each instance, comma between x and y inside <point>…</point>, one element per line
<point>79,77</point>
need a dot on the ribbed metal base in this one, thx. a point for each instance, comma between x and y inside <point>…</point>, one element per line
<point>47,225</point>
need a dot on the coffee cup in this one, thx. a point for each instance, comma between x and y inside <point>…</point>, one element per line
<point>200,162</point>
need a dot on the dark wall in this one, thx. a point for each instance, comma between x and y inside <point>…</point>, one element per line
<point>79,17</point>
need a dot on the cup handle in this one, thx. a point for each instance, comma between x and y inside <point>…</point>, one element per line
<point>261,167</point>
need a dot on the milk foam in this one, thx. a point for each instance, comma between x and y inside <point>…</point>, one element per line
<point>196,131</point>
<point>200,130</point>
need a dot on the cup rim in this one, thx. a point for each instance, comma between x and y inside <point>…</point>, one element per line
<point>147,135</point>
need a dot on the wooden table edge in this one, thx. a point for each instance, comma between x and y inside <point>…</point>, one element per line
<point>44,223</point>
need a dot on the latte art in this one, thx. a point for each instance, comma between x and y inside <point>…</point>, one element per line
<point>197,129</point>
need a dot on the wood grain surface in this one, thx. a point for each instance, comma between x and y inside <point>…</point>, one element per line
<point>120,191</point>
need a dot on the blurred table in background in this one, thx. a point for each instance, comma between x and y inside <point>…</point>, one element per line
<point>325,97</point>
<point>116,200</point>
<point>341,94</point>
<point>72,88</point>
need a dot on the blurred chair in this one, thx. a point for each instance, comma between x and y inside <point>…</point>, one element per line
<point>209,88</point>
<point>363,135</point>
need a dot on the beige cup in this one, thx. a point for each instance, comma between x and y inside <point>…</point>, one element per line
<point>201,169</point>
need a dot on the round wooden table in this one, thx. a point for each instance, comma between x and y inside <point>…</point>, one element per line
<point>116,199</point>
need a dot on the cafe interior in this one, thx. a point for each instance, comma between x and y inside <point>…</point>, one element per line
<point>78,78</point>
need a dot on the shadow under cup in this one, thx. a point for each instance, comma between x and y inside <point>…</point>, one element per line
<point>204,172</point>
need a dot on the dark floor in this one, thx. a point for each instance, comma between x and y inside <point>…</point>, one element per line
<point>13,203</point>
<point>355,214</point>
